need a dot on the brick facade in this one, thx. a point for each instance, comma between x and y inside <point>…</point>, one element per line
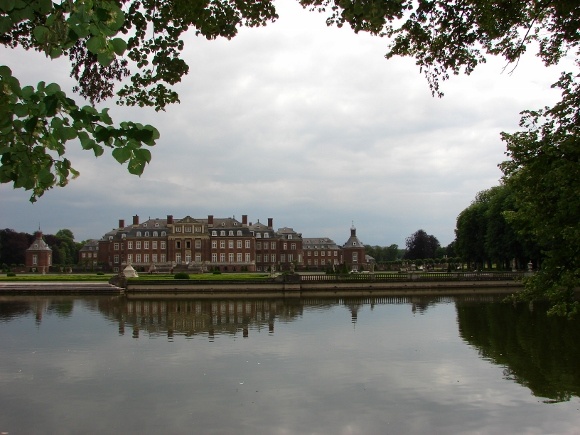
<point>224,244</point>
<point>38,257</point>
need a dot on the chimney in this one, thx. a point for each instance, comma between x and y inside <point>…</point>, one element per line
<point>210,220</point>
<point>169,219</point>
<point>136,219</point>
<point>270,223</point>
<point>121,223</point>
<point>245,219</point>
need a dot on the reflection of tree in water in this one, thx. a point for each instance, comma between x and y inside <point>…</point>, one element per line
<point>62,308</point>
<point>539,352</point>
<point>15,307</point>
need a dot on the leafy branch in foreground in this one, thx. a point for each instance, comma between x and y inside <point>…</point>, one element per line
<point>35,125</point>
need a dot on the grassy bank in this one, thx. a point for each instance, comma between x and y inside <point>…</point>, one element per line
<point>34,277</point>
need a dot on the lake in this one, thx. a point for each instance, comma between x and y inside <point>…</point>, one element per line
<point>391,365</point>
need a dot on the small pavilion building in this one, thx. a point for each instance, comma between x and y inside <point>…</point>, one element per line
<point>39,255</point>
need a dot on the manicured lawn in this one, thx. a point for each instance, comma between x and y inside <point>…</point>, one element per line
<point>204,276</point>
<point>56,277</point>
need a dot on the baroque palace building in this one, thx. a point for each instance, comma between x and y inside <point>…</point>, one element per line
<point>224,244</point>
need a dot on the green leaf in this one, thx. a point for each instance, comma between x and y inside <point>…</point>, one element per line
<point>105,58</point>
<point>27,92</point>
<point>46,177</point>
<point>119,46</point>
<point>98,150</point>
<point>121,154</point>
<point>40,33</point>
<point>5,24</point>
<point>95,44</point>
<point>55,52</point>
<point>102,134</point>
<point>105,116</point>
<point>7,5</point>
<point>20,110</point>
<point>52,88</point>
<point>142,154</point>
<point>5,71</point>
<point>51,104</point>
<point>136,167</point>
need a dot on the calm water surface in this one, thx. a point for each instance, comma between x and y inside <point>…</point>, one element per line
<point>330,366</point>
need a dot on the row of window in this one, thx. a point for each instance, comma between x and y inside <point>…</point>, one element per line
<point>162,245</point>
<point>309,262</point>
<point>238,233</point>
<point>271,258</point>
<point>322,253</point>
<point>247,244</point>
<point>187,244</point>
<point>187,229</point>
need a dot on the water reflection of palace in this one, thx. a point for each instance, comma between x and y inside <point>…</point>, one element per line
<point>206,317</point>
<point>211,317</point>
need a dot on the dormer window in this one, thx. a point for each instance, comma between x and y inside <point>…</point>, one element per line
<point>239,233</point>
<point>222,233</point>
<point>266,235</point>
<point>145,225</point>
<point>289,236</point>
<point>258,235</point>
<point>155,233</point>
<point>163,233</point>
<point>214,233</point>
<point>231,233</point>
<point>146,233</point>
<point>156,224</point>
<point>353,243</point>
<point>138,233</point>
<point>123,236</point>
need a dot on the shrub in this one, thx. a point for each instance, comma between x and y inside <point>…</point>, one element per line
<point>181,275</point>
<point>100,273</point>
<point>10,274</point>
<point>216,272</point>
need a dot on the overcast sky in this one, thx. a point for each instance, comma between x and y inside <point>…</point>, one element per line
<point>307,124</point>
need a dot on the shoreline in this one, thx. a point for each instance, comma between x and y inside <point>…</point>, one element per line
<point>261,289</point>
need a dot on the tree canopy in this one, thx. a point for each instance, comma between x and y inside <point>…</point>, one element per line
<point>486,236</point>
<point>421,245</point>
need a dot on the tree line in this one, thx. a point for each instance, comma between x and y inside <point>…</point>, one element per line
<point>13,246</point>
